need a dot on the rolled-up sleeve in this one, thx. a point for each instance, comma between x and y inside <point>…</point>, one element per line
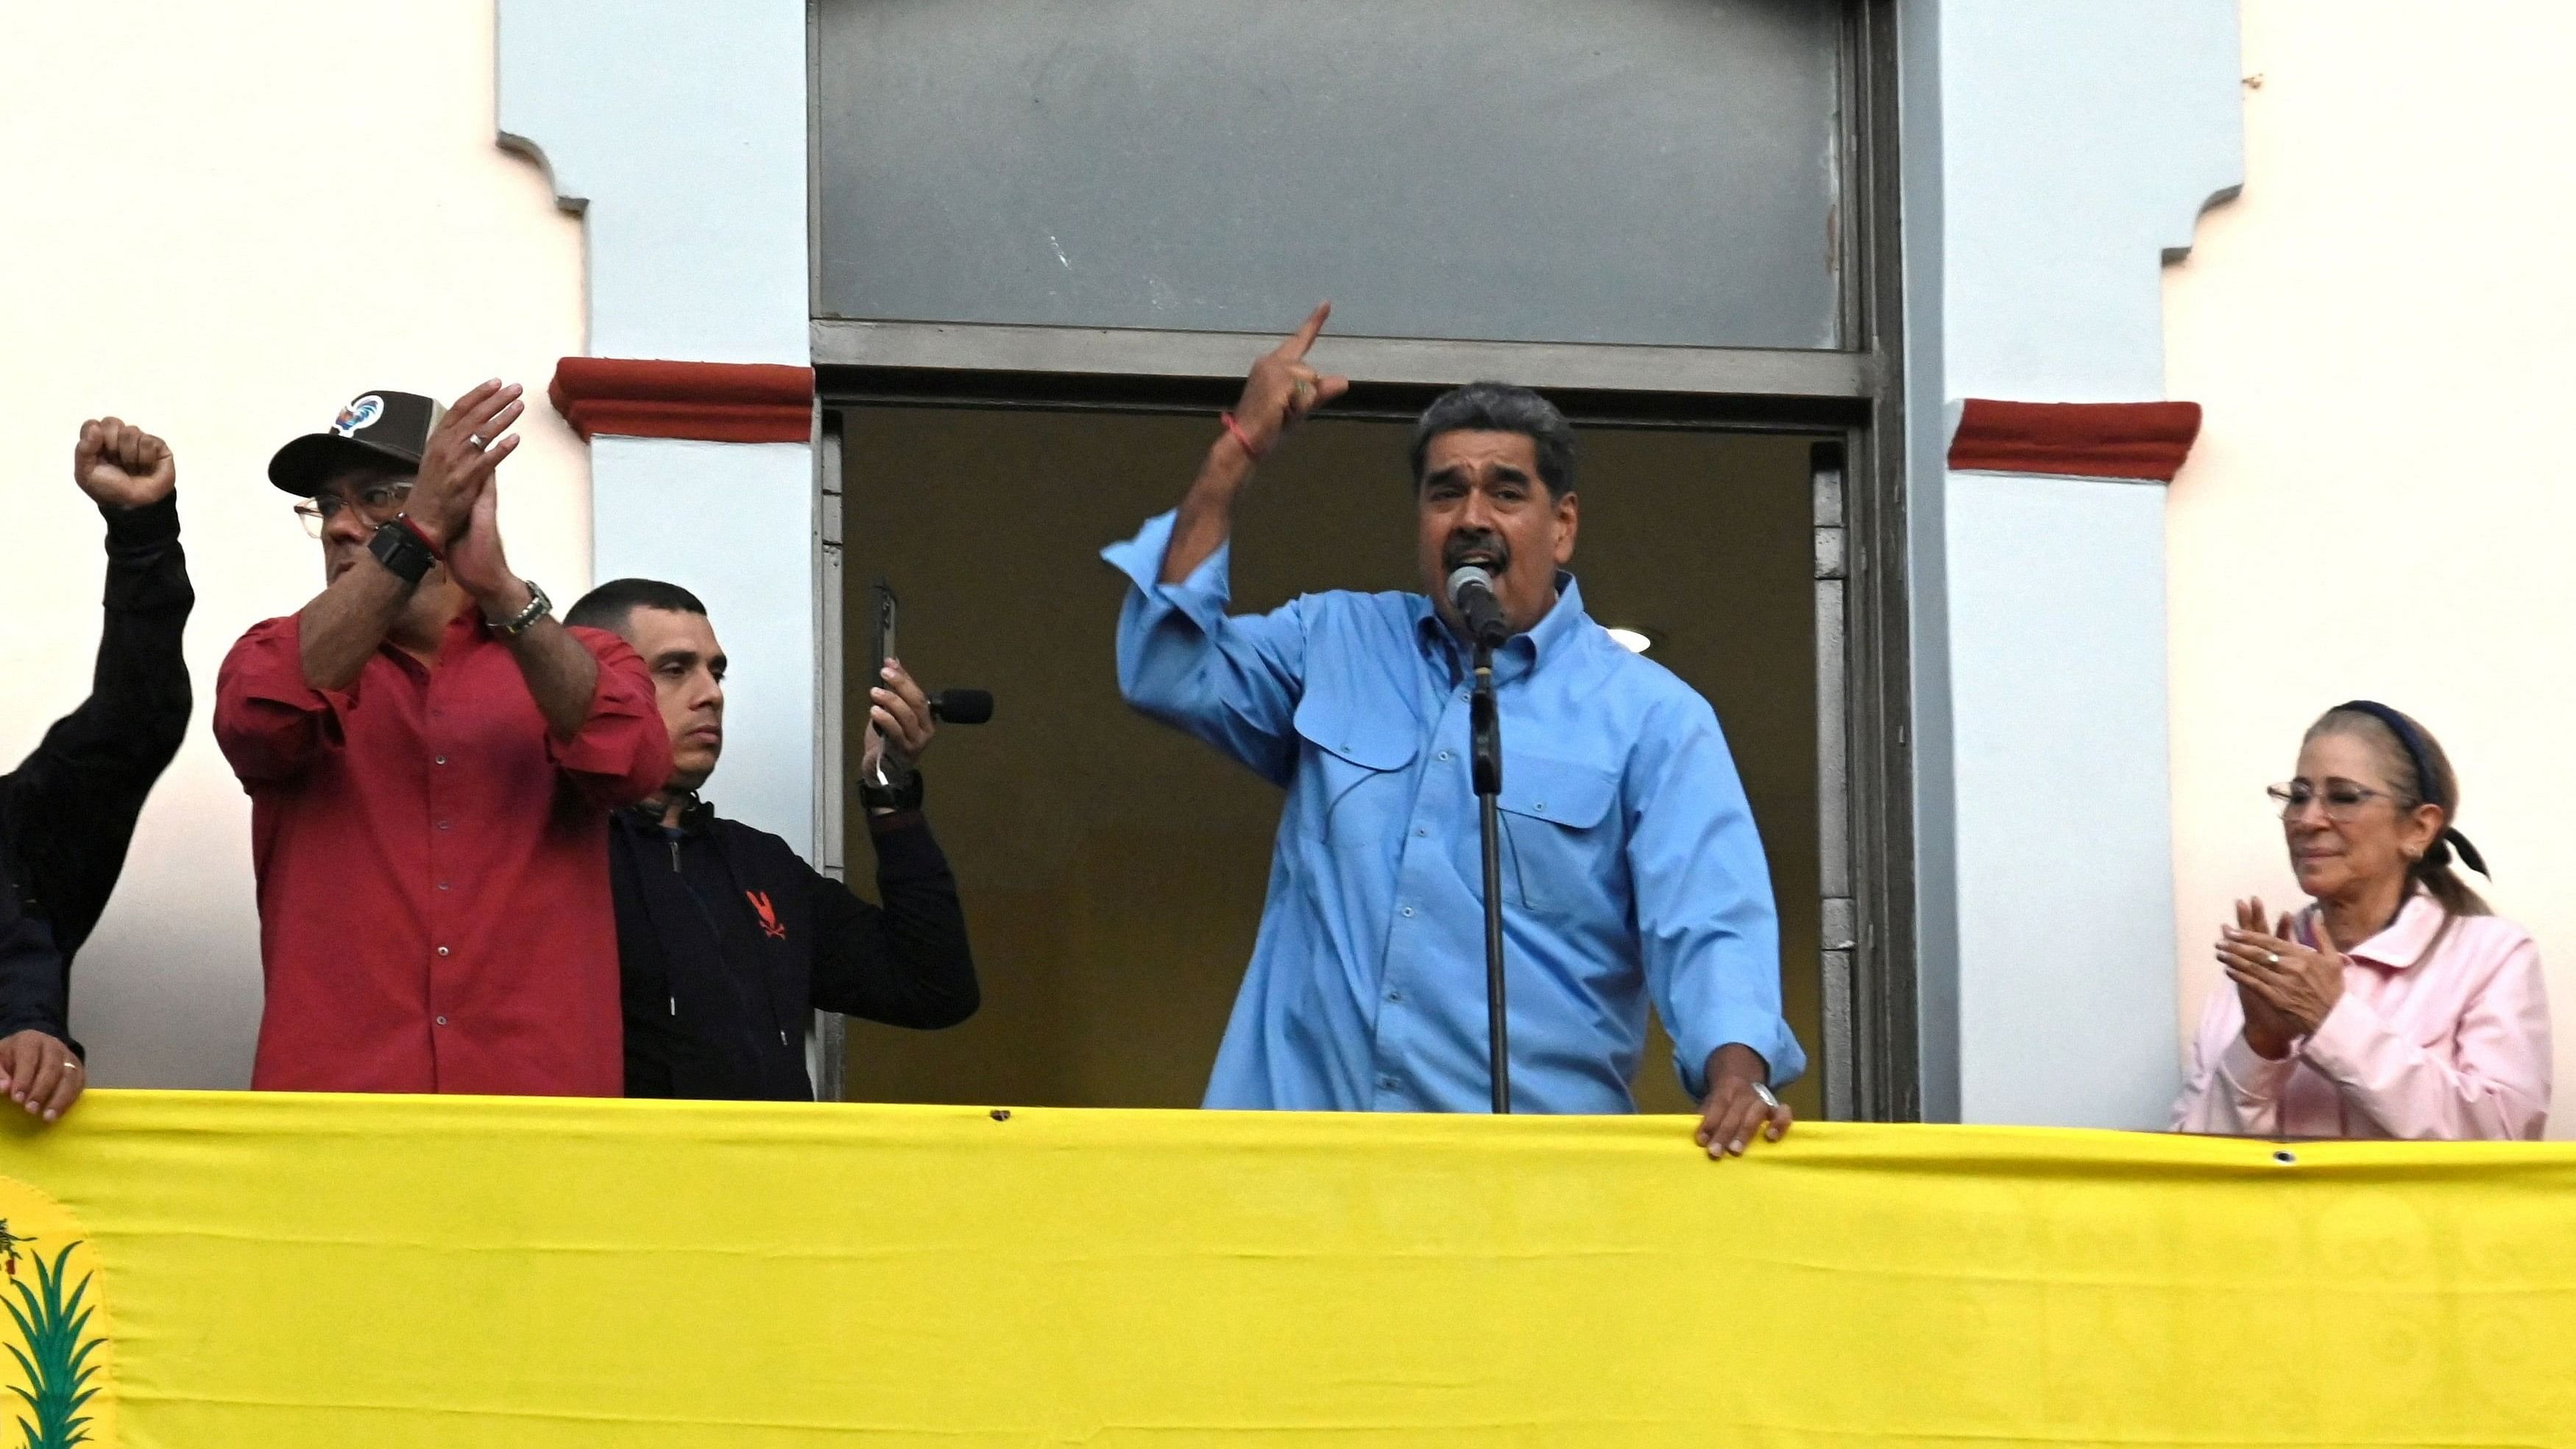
<point>622,752</point>
<point>2492,1084</point>
<point>1232,681</point>
<point>1707,928</point>
<point>268,720</point>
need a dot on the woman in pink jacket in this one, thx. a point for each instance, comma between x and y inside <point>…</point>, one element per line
<point>2396,1004</point>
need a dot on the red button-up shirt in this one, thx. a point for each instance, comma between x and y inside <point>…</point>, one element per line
<point>434,909</point>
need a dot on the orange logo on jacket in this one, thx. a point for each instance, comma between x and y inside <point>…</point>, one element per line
<point>768,917</point>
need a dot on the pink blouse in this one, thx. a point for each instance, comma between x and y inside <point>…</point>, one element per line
<point>2451,1046</point>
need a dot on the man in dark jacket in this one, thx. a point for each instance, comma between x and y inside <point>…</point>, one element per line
<point>68,812</point>
<point>727,943</point>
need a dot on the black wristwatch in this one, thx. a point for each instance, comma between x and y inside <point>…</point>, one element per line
<point>904,794</point>
<point>401,552</point>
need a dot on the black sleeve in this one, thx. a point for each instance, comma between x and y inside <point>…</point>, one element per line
<point>72,805</point>
<point>905,963</point>
<point>35,981</point>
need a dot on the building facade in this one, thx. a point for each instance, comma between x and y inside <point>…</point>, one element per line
<point>1942,359</point>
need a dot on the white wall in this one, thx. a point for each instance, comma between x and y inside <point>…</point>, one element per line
<point>2379,504</point>
<point>730,522</point>
<point>678,128</point>
<point>221,222</point>
<point>2077,143</point>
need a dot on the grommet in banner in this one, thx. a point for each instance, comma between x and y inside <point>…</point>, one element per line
<point>2286,1158</point>
<point>1001,1114</point>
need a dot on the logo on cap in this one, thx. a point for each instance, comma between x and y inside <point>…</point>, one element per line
<point>359,414</point>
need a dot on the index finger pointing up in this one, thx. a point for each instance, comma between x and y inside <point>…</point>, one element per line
<point>1304,337</point>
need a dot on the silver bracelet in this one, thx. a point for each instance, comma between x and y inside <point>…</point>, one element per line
<point>519,623</point>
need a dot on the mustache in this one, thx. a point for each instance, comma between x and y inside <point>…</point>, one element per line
<point>1467,541</point>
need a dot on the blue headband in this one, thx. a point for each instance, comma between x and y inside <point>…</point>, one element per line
<point>2411,740</point>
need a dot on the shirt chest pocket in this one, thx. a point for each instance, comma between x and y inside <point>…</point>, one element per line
<point>1351,773</point>
<point>1562,842</point>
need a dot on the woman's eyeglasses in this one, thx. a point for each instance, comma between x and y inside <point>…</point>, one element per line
<point>2342,799</point>
<point>375,503</point>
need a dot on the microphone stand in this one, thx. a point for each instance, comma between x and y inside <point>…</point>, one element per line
<point>1486,750</point>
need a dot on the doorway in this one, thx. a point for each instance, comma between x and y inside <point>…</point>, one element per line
<point>1113,870</point>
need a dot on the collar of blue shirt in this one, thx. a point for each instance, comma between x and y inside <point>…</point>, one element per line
<point>1555,631</point>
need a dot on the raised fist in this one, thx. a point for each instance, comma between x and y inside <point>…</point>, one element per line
<point>122,466</point>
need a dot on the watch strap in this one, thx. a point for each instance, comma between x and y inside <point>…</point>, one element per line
<point>538,606</point>
<point>402,552</point>
<point>906,794</point>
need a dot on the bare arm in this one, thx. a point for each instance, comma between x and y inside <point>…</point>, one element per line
<point>561,674</point>
<point>1278,394</point>
<point>339,631</point>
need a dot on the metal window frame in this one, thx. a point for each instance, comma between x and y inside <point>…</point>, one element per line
<point>1850,399</point>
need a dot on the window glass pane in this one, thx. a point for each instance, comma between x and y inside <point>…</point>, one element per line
<point>1637,171</point>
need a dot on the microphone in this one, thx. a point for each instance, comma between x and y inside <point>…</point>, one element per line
<point>1471,592</point>
<point>962,706</point>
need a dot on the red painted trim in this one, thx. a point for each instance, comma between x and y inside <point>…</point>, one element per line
<point>718,402</point>
<point>2088,440</point>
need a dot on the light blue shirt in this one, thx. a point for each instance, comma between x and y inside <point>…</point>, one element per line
<point>1630,864</point>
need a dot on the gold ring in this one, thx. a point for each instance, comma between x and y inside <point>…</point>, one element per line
<point>2271,958</point>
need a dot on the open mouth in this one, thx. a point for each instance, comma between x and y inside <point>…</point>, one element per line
<point>1479,555</point>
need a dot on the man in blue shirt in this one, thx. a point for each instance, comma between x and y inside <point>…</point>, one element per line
<point>1631,867</point>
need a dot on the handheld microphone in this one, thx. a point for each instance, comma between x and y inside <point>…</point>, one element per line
<point>962,706</point>
<point>1471,592</point>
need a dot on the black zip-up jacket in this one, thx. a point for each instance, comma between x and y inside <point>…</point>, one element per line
<point>67,813</point>
<point>727,943</point>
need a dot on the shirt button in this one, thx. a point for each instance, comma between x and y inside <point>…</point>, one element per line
<point>1387,1083</point>
<point>442,885</point>
<point>438,760</point>
<point>442,825</point>
<point>1395,996</point>
<point>442,950</point>
<point>442,1021</point>
<point>1540,807</point>
<point>1408,910</point>
<point>1418,830</point>
<point>1444,754</point>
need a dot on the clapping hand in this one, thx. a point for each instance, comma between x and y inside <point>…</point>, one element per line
<point>457,498</point>
<point>2287,988</point>
<point>122,466</point>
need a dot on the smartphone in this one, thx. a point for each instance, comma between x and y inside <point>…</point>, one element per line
<point>883,613</point>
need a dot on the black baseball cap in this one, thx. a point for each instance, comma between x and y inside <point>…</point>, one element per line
<point>378,427</point>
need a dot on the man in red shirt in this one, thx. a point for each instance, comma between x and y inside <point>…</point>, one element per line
<point>431,760</point>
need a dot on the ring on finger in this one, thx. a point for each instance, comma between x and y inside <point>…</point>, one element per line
<point>1768,1099</point>
<point>475,438</point>
<point>2271,958</point>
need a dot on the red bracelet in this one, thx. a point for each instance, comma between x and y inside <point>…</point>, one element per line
<point>1242,439</point>
<point>416,531</point>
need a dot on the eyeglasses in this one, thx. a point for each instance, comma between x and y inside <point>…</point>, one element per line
<point>375,503</point>
<point>2342,799</point>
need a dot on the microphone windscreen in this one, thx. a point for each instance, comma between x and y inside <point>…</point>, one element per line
<point>962,706</point>
<point>1466,575</point>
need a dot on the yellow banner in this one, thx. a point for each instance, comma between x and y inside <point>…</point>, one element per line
<point>196,1270</point>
